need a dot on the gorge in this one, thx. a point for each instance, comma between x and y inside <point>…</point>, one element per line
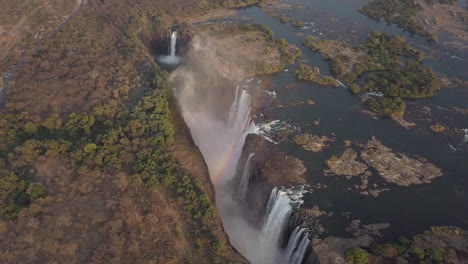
<point>217,109</point>
<point>217,132</point>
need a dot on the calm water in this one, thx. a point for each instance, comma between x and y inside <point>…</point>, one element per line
<point>409,210</point>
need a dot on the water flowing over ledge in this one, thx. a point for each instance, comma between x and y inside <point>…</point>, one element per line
<point>218,112</point>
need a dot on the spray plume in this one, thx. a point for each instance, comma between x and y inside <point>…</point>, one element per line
<point>216,107</point>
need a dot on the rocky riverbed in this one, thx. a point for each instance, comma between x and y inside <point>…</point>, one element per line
<point>312,142</point>
<point>398,168</point>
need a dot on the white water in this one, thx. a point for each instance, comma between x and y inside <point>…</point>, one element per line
<point>297,246</point>
<point>465,137</point>
<point>172,58</point>
<point>378,94</point>
<point>294,242</point>
<point>300,251</point>
<point>244,184</point>
<point>220,130</point>
<point>278,212</point>
<point>266,130</point>
<point>342,84</point>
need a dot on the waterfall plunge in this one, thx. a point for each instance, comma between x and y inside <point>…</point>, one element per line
<point>172,58</point>
<point>244,184</point>
<point>297,246</point>
<point>278,212</point>
<point>219,130</point>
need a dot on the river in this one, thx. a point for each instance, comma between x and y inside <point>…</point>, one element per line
<point>409,210</point>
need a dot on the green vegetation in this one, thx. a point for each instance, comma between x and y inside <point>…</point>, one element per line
<point>357,256</point>
<point>289,53</point>
<point>304,72</point>
<point>347,62</point>
<point>442,2</point>
<point>301,139</point>
<point>232,3</point>
<point>386,106</point>
<point>401,12</point>
<point>354,88</point>
<point>380,54</point>
<point>421,249</point>
<point>413,81</point>
<point>233,29</point>
<point>16,194</point>
<point>387,49</point>
<point>135,141</point>
<point>298,23</point>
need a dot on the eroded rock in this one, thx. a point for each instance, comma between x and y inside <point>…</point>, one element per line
<point>398,168</point>
<point>277,168</point>
<point>346,165</point>
<point>312,142</point>
<point>331,250</point>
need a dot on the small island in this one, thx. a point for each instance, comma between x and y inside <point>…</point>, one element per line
<point>380,55</point>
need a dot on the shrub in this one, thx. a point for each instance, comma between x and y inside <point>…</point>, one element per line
<point>90,148</point>
<point>357,256</point>
<point>298,23</point>
<point>301,139</point>
<point>438,128</point>
<point>418,252</point>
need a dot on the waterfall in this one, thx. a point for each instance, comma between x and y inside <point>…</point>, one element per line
<point>172,49</point>
<point>220,130</point>
<point>300,251</point>
<point>293,242</point>
<point>244,184</point>
<point>277,217</point>
<point>278,211</point>
<point>297,246</point>
<point>172,58</point>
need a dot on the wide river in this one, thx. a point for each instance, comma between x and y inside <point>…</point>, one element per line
<point>409,210</point>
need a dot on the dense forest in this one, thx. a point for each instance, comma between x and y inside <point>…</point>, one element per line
<point>88,134</point>
<point>380,55</point>
<point>306,73</point>
<point>401,12</point>
<point>413,250</point>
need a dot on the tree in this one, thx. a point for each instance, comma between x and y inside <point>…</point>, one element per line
<point>30,128</point>
<point>90,148</point>
<point>35,191</point>
<point>357,256</point>
<point>418,252</point>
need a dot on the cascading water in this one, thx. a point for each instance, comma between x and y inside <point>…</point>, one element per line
<point>301,249</point>
<point>278,212</point>
<point>293,241</point>
<point>220,130</point>
<point>173,44</point>
<point>244,184</point>
<point>172,58</point>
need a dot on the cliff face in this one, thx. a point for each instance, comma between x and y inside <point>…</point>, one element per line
<point>91,59</point>
<point>191,159</point>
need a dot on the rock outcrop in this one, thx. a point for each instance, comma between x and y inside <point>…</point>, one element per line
<point>331,250</point>
<point>312,142</point>
<point>398,168</point>
<point>274,166</point>
<point>346,165</point>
